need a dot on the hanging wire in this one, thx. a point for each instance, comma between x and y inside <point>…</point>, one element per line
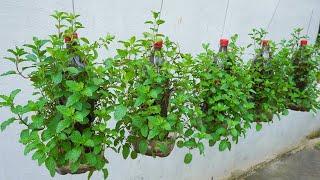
<point>225,19</point>
<point>273,15</point>
<point>309,23</point>
<point>160,11</point>
<point>73,7</point>
<point>160,8</point>
<point>73,11</point>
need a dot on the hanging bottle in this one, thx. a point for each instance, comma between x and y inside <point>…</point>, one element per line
<point>222,49</point>
<point>263,53</point>
<point>155,57</point>
<point>157,60</point>
<point>266,55</point>
<point>301,65</point>
<point>224,45</point>
<point>70,44</point>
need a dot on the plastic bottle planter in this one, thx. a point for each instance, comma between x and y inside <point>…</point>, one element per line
<point>222,61</point>
<point>299,62</point>
<point>259,66</point>
<point>222,49</point>
<point>70,42</point>
<point>83,168</point>
<point>75,61</point>
<point>205,105</point>
<point>300,74</point>
<point>298,108</point>
<point>156,147</point>
<point>155,58</point>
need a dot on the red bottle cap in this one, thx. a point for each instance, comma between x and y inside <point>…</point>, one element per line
<point>265,42</point>
<point>303,42</point>
<point>68,38</point>
<point>158,44</point>
<point>224,42</point>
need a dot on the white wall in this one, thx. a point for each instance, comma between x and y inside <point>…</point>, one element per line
<point>190,23</point>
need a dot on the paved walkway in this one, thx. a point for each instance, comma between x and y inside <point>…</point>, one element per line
<point>303,165</point>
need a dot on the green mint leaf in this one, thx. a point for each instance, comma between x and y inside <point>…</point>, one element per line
<point>63,125</point>
<point>223,145</point>
<point>74,154</point>
<point>126,151</point>
<point>6,123</point>
<point>143,146</point>
<point>57,78</point>
<point>120,112</point>
<point>51,165</point>
<point>8,73</point>
<point>73,70</point>
<point>74,86</point>
<point>188,158</point>
<point>134,155</point>
<point>144,130</point>
<point>140,100</point>
<point>153,133</point>
<point>105,173</point>
<point>258,126</point>
<point>73,99</point>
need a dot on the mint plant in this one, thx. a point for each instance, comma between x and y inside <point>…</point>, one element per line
<point>157,95</point>
<point>67,119</point>
<point>151,105</point>
<point>220,90</point>
<point>269,69</point>
<point>305,62</point>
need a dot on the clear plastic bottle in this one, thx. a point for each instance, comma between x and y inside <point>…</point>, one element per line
<point>301,65</point>
<point>224,45</point>
<point>222,49</point>
<point>262,71</point>
<point>75,61</point>
<point>155,57</point>
<point>265,53</point>
<point>262,60</point>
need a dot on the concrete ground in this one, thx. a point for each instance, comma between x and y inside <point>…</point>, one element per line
<point>301,164</point>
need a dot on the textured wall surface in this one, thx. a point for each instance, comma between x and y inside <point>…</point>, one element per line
<point>190,23</point>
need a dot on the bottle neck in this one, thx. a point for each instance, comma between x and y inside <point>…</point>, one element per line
<point>70,46</point>
<point>265,53</point>
<point>302,46</point>
<point>223,49</point>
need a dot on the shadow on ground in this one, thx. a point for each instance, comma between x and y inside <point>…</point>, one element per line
<point>302,165</point>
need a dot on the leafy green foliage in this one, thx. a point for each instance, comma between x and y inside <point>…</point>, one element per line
<point>269,68</point>
<point>151,106</point>
<point>188,158</point>
<point>304,63</point>
<point>156,94</point>
<point>220,96</point>
<point>6,123</point>
<point>67,123</point>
